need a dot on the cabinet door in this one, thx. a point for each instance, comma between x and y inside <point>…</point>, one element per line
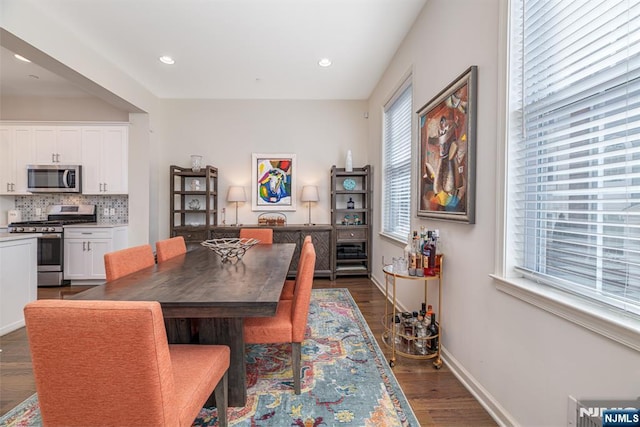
<point>91,161</point>
<point>68,145</point>
<point>115,154</point>
<point>6,161</point>
<point>95,262</point>
<point>75,259</point>
<point>45,142</point>
<point>23,152</point>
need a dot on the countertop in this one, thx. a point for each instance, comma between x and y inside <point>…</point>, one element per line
<point>96,225</point>
<point>7,237</point>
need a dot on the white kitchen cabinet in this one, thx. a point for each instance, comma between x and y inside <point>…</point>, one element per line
<point>18,278</point>
<point>84,249</point>
<point>58,145</point>
<point>17,148</point>
<point>105,153</point>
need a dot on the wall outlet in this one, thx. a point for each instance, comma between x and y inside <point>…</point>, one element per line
<point>112,211</point>
<point>106,212</point>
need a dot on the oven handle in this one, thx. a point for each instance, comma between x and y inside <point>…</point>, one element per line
<point>50,236</point>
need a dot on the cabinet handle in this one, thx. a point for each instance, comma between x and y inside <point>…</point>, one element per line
<point>88,246</point>
<point>8,187</point>
<point>352,234</point>
<point>105,187</point>
<point>53,157</point>
<point>58,157</point>
<point>13,187</point>
<point>84,246</point>
<point>100,187</point>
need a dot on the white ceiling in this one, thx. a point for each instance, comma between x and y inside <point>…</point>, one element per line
<point>234,49</point>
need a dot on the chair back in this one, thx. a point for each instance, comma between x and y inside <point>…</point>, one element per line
<point>101,362</point>
<point>302,293</point>
<point>303,254</point>
<point>126,261</point>
<point>264,235</point>
<point>170,248</point>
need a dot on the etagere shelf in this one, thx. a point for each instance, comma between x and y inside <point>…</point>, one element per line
<point>351,218</point>
<point>193,202</point>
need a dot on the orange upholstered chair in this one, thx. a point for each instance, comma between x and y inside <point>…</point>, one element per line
<point>265,235</point>
<point>169,248</point>
<point>127,261</point>
<point>290,322</point>
<point>108,363</point>
<point>290,285</point>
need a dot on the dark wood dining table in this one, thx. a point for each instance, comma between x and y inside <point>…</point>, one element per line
<point>198,285</point>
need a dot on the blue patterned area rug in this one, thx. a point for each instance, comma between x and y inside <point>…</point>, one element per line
<point>347,380</point>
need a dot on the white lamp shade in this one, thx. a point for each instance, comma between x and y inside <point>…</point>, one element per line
<point>236,194</point>
<point>309,193</point>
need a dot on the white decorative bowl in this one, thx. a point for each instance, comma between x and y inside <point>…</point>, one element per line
<point>230,248</point>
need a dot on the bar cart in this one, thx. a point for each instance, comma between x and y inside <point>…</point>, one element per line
<point>407,342</point>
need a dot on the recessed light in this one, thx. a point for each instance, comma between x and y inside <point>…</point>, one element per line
<point>324,62</point>
<point>21,58</point>
<point>167,60</point>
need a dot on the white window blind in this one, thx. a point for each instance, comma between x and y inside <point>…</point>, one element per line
<point>574,146</point>
<point>396,215</point>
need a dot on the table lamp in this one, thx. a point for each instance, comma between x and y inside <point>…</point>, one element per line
<point>309,194</point>
<point>236,194</point>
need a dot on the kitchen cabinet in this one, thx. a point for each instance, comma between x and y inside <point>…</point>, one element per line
<point>57,145</point>
<point>351,218</point>
<point>18,278</point>
<point>105,165</point>
<point>320,236</point>
<point>84,249</point>
<point>17,148</point>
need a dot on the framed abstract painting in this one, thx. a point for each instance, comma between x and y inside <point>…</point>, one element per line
<point>447,149</point>
<point>273,182</point>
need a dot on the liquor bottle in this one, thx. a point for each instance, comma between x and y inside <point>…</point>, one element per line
<point>431,251</point>
<point>350,203</point>
<point>418,251</point>
<point>433,331</point>
<point>426,255</point>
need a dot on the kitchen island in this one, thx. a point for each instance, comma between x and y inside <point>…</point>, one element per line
<point>18,277</point>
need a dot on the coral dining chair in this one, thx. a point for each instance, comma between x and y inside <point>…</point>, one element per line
<point>169,248</point>
<point>290,285</point>
<point>126,261</point>
<point>264,235</point>
<point>290,322</point>
<point>108,363</point>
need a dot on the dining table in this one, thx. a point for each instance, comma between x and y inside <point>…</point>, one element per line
<point>198,285</point>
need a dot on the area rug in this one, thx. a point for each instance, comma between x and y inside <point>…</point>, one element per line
<point>346,378</point>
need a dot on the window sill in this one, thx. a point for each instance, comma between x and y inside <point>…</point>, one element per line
<point>597,318</point>
<point>393,238</point>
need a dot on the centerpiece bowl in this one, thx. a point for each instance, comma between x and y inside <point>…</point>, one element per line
<point>230,249</point>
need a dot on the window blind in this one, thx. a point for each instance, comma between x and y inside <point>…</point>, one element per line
<point>397,164</point>
<point>574,146</point>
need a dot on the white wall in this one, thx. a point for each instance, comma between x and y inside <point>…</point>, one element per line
<point>225,133</point>
<point>523,360</point>
<point>59,109</point>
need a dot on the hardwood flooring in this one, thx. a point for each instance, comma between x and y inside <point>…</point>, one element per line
<point>436,396</point>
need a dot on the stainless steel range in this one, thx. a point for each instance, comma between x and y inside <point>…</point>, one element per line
<point>51,243</point>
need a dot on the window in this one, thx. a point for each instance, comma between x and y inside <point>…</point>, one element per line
<point>396,163</point>
<point>574,147</point>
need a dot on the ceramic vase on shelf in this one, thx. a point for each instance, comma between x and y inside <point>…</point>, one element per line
<point>348,164</point>
<point>196,163</point>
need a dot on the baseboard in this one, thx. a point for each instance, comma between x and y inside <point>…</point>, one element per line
<point>495,410</point>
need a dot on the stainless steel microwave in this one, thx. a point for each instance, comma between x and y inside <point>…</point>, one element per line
<point>54,178</point>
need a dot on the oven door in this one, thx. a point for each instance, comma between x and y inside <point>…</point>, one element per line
<point>50,259</point>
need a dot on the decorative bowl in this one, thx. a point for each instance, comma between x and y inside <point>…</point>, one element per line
<point>230,249</point>
<point>349,184</point>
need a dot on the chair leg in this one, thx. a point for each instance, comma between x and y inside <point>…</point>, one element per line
<point>296,357</point>
<point>222,399</point>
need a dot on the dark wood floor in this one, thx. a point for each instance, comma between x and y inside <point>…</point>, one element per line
<point>436,396</point>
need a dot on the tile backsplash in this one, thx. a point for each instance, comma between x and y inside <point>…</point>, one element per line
<point>28,205</point>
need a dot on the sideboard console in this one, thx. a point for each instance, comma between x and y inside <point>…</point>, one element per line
<point>320,235</point>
